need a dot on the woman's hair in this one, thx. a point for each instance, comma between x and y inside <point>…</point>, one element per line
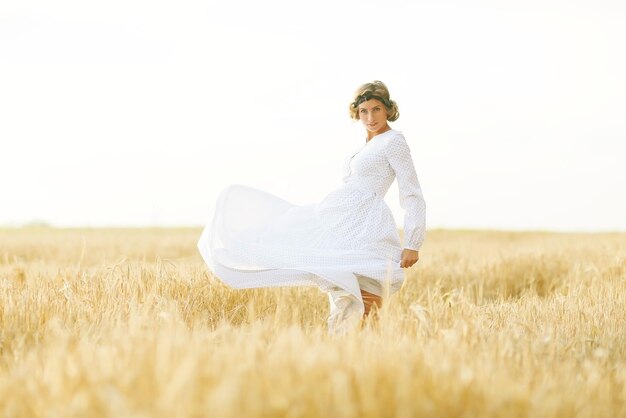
<point>374,90</point>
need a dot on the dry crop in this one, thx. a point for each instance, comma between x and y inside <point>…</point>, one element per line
<point>129,323</point>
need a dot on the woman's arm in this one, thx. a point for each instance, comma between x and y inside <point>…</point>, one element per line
<point>411,198</point>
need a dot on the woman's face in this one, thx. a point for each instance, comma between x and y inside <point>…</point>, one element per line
<point>373,115</point>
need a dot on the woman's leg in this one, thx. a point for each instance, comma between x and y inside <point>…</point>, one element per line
<point>372,303</point>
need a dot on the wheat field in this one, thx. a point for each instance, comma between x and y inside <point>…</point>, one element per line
<point>129,323</point>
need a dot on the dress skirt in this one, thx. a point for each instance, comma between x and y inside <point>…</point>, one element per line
<point>346,242</point>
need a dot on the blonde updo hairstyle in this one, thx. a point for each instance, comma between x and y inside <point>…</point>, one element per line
<point>374,90</point>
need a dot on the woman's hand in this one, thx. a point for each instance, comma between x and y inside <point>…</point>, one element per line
<point>409,257</point>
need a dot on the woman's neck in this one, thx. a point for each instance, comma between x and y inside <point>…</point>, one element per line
<point>371,134</point>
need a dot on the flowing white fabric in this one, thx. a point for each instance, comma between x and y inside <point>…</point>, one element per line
<point>347,241</point>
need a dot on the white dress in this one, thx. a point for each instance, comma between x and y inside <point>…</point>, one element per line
<point>347,241</point>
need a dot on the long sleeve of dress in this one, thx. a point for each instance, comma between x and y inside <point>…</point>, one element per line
<point>410,192</point>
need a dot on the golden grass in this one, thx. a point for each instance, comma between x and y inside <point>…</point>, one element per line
<point>128,323</point>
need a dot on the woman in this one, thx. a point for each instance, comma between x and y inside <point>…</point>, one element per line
<point>347,244</point>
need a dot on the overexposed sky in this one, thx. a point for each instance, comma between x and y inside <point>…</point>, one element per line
<point>136,112</point>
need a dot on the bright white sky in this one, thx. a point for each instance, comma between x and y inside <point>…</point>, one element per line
<point>137,112</point>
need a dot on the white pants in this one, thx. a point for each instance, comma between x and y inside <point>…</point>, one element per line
<point>346,310</point>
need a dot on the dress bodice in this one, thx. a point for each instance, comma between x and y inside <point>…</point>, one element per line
<point>373,168</point>
<point>368,168</point>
